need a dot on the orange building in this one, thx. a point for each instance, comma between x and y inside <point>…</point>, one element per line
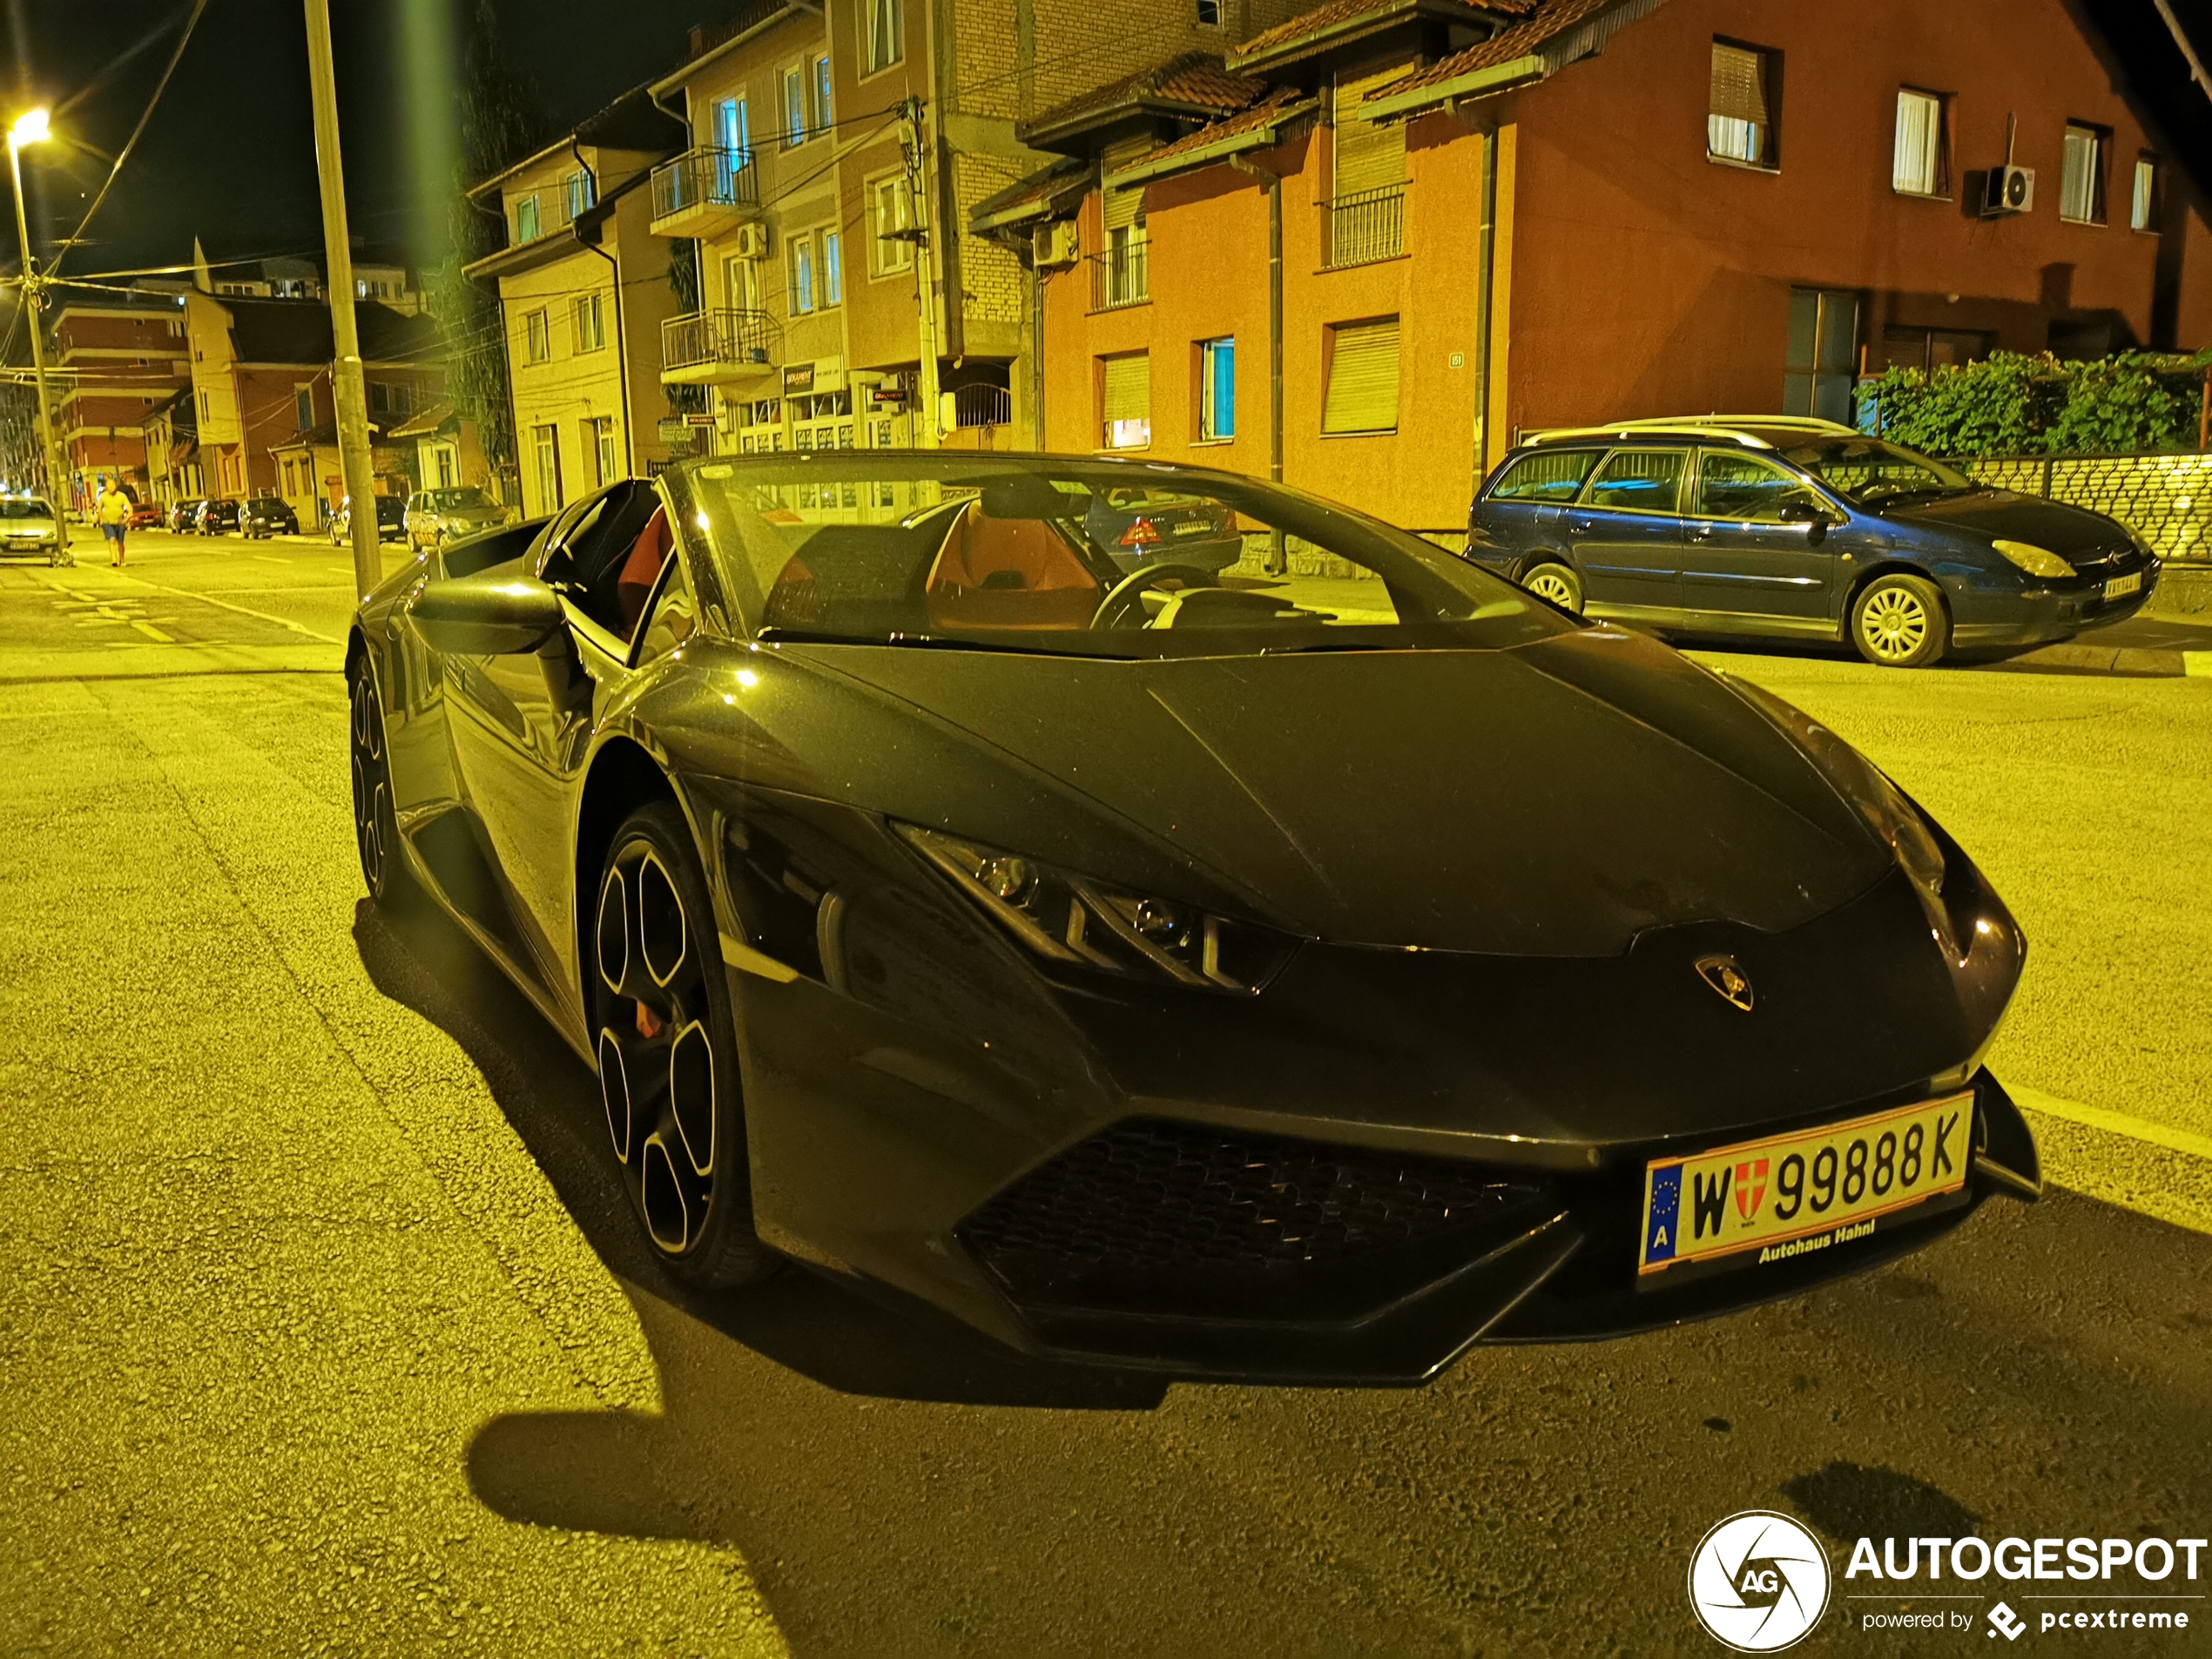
<point>119,361</point>
<point>1490,217</point>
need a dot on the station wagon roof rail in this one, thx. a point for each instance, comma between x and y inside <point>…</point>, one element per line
<point>1731,427</point>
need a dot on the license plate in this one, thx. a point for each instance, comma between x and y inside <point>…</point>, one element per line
<point>2120,586</point>
<point>1192,528</point>
<point>1794,1194</point>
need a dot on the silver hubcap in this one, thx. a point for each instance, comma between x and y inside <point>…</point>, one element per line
<point>1549,581</point>
<point>1894,623</point>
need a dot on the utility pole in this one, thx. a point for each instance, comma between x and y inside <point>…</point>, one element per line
<point>348,389</point>
<point>916,147</point>
<point>32,129</point>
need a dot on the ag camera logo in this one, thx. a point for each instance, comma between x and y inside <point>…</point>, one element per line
<point>1758,1582</point>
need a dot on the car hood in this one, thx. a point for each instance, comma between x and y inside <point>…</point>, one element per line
<point>1557,798</point>
<point>1992,515</point>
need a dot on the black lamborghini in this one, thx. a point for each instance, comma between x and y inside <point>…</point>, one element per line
<point>1298,975</point>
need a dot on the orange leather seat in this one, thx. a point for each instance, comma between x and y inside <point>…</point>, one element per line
<point>1008,573</point>
<point>641,569</point>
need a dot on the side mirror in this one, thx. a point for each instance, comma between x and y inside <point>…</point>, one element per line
<point>486,616</point>
<point>1811,516</point>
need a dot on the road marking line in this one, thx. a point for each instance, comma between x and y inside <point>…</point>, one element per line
<point>2197,665</point>
<point>243,611</point>
<point>2173,1140</point>
<point>152,632</point>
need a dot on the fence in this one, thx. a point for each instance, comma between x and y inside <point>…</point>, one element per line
<point>705,178</point>
<point>1367,226</point>
<point>2166,499</point>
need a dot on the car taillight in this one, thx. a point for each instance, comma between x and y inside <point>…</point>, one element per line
<point>1140,534</point>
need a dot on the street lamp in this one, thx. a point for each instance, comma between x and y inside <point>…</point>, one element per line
<point>33,127</point>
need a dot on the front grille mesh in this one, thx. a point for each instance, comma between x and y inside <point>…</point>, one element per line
<point>1153,1216</point>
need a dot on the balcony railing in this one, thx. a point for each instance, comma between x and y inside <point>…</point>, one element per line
<point>1118,276</point>
<point>720,339</point>
<point>708,177</point>
<point>982,406</point>
<point>1367,226</point>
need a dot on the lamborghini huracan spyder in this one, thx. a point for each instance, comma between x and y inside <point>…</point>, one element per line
<point>1299,975</point>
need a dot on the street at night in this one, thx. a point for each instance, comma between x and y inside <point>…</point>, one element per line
<point>327,1327</point>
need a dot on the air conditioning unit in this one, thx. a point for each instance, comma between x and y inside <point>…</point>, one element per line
<point>752,241</point>
<point>1053,243</point>
<point>2010,190</point>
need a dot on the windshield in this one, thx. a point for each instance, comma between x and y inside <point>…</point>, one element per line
<point>1871,473</point>
<point>449,501</point>
<point>1077,558</point>
<point>25,507</point>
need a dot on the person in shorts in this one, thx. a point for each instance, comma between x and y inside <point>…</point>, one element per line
<point>115,518</point>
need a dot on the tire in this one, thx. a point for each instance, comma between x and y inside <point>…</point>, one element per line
<point>376,828</point>
<point>1548,579</point>
<point>1898,621</point>
<point>669,1070</point>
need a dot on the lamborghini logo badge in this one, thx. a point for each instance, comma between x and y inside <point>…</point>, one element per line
<point>1727,979</point>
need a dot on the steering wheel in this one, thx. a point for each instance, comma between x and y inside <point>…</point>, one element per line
<point>1126,594</point>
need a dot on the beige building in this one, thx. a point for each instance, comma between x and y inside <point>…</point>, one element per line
<point>802,188</point>
<point>584,292</point>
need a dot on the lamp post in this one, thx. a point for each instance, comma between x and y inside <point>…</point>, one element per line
<point>31,128</point>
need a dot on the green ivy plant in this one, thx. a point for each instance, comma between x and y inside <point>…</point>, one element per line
<point>2010,404</point>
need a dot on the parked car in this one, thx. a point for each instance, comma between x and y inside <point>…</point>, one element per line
<point>144,515</point>
<point>391,520</point>
<point>184,516</point>
<point>1220,979</point>
<point>436,517</point>
<point>30,527</point>
<point>1770,527</point>
<point>217,517</point>
<point>1147,526</point>
<point>262,516</point>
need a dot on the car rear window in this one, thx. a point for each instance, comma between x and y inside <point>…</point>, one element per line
<point>1550,475</point>
<point>1639,481</point>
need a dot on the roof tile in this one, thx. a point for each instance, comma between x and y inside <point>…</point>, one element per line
<point>1552,18</point>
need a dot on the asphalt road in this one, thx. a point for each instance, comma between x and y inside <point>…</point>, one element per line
<point>324,1328</point>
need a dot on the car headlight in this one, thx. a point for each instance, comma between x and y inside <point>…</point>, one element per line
<point>2036,561</point>
<point>1077,923</point>
<point>1888,813</point>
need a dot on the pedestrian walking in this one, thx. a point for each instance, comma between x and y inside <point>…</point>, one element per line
<point>115,518</point>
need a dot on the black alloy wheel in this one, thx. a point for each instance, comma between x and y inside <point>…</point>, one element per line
<point>1898,621</point>
<point>376,829</point>
<point>667,1051</point>
<point>1557,583</point>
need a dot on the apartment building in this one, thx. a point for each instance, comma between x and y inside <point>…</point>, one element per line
<point>584,288</point>
<point>172,450</point>
<point>836,157</point>
<point>118,360</point>
<point>379,274</point>
<point>1498,216</point>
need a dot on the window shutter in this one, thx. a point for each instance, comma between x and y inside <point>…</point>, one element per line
<point>1367,157</point>
<point>1919,135</point>
<point>1129,388</point>
<point>1124,207</point>
<point>1363,378</point>
<point>1739,83</point>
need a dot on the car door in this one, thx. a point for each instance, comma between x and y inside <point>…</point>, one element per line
<point>1756,557</point>
<point>520,728</point>
<point>1625,533</point>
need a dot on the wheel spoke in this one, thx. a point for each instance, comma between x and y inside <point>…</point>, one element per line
<point>691,1096</point>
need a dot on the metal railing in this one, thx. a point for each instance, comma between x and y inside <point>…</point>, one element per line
<point>1119,277</point>
<point>983,406</point>
<point>1367,226</point>
<point>2166,499</point>
<point>737,337</point>
<point>709,177</point>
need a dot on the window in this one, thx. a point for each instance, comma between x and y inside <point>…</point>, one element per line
<point>599,450</point>
<point>1740,125</point>
<point>886,32</point>
<point>733,125</point>
<point>802,274</point>
<point>1216,390</point>
<point>1125,400</point>
<point>303,407</point>
<point>202,406</point>
<point>1121,276</point>
<point>525,220</point>
<point>1210,14</point>
<point>547,446</point>
<point>823,120</point>
<point>1638,481</point>
<point>1747,489</point>
<point>891,206</point>
<point>447,469</point>
<point>741,285</point>
<point>1823,340</point>
<point>1929,350</point>
<point>579,193</point>
<point>2142,200</point>
<point>1921,165</point>
<point>1548,476</point>
<point>832,268</point>
<point>590,323</point>
<point>1363,377</point>
<point>794,108</point>
<point>380,398</point>
<point>2082,177</point>
<point>537,328</point>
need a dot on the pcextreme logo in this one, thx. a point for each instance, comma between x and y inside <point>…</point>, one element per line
<point>1758,1582</point>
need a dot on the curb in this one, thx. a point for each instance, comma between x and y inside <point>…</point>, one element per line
<point>2126,662</point>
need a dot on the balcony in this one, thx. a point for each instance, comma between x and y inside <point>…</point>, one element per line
<point>1366,225</point>
<point>1118,276</point>
<point>704,191</point>
<point>719,347</point>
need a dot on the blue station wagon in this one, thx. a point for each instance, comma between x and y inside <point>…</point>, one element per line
<point>1778,527</point>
